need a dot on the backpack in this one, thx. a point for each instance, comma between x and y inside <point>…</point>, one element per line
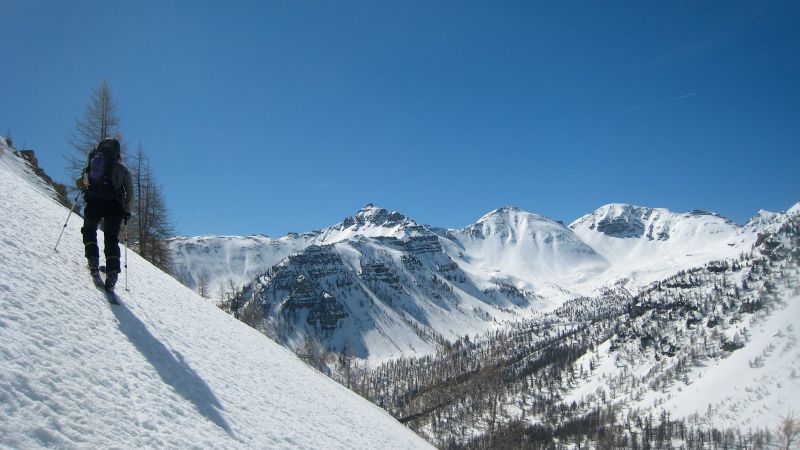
<point>104,178</point>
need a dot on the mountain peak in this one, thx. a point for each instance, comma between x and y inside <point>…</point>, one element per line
<point>768,221</point>
<point>373,215</point>
<point>511,215</point>
<point>762,221</point>
<point>370,221</point>
<point>620,220</point>
<point>617,209</point>
<point>508,209</point>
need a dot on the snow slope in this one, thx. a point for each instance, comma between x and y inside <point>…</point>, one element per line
<point>165,369</point>
<point>644,245</point>
<point>528,250</point>
<point>717,345</point>
<point>753,387</point>
<point>767,381</point>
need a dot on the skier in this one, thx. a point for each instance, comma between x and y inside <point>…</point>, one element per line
<point>107,188</point>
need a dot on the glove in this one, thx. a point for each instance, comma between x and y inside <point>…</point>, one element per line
<point>82,183</point>
<point>127,216</point>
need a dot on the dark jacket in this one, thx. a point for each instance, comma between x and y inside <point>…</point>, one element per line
<point>120,176</point>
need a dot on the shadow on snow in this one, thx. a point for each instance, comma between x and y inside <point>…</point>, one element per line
<point>171,367</point>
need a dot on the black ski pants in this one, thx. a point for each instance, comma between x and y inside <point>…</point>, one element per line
<point>111,213</point>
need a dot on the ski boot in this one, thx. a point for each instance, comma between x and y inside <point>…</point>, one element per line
<point>111,280</point>
<point>94,265</point>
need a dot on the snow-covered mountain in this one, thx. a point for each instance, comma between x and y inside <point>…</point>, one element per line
<point>769,222</point>
<point>717,343</point>
<point>526,250</point>
<point>382,285</point>
<point>370,221</point>
<point>375,298</point>
<point>404,289</point>
<point>713,343</point>
<point>705,357</point>
<point>647,244</point>
<point>165,369</point>
<point>223,262</point>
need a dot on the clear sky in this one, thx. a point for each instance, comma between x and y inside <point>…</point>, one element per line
<point>269,117</point>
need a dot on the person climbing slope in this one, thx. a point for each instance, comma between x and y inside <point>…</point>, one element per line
<point>107,189</point>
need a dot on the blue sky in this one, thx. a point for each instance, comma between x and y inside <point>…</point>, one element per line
<point>270,117</point>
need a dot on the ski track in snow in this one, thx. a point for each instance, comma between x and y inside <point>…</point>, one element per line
<point>165,369</point>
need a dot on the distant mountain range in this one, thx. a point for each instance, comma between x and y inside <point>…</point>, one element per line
<point>380,285</point>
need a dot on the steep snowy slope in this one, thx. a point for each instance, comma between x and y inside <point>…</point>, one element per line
<point>163,370</point>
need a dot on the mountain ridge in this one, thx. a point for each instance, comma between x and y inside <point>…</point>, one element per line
<point>189,270</point>
<point>410,287</point>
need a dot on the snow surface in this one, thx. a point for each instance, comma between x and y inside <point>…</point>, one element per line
<point>165,369</point>
<point>736,391</point>
<point>751,387</point>
<point>727,392</point>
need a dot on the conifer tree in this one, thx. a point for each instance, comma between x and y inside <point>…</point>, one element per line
<point>202,286</point>
<point>151,225</point>
<point>99,121</point>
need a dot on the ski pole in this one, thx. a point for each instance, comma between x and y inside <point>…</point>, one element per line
<point>67,221</point>
<point>126,255</point>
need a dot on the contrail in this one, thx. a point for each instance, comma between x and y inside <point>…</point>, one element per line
<point>634,109</point>
<point>681,97</point>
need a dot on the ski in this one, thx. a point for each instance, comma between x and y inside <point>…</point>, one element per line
<point>100,284</point>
